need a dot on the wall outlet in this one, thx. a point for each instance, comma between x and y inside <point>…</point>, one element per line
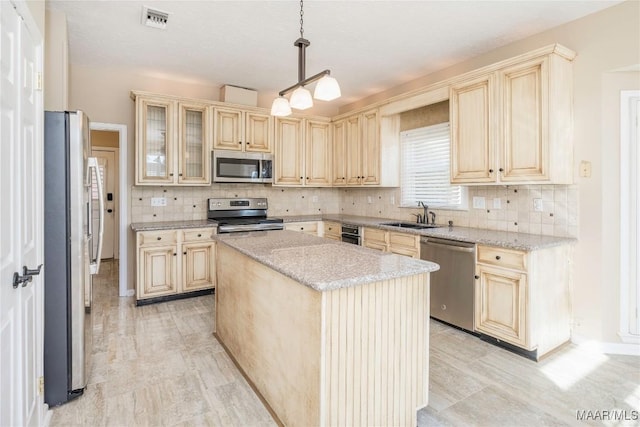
<point>369,199</point>
<point>537,205</point>
<point>478,203</point>
<point>585,169</point>
<point>392,200</point>
<point>158,201</point>
<point>497,203</point>
<point>314,199</point>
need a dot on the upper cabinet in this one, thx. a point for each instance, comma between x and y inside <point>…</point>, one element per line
<point>512,122</point>
<point>357,151</point>
<point>302,152</point>
<point>172,142</point>
<point>242,130</point>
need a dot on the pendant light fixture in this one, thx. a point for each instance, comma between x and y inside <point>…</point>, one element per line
<point>327,88</point>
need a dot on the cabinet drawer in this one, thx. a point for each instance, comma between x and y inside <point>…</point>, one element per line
<point>408,241</point>
<point>506,258</point>
<point>198,235</point>
<point>159,237</point>
<point>374,234</point>
<point>305,227</point>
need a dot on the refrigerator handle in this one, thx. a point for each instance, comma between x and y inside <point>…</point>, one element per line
<point>94,265</point>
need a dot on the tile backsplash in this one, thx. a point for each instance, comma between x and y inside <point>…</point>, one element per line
<point>559,216</point>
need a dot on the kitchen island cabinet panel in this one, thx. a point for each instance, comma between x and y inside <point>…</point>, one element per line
<point>352,355</point>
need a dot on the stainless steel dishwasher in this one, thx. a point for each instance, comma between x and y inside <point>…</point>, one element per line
<point>452,287</point>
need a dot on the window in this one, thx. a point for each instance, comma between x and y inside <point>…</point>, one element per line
<point>425,169</point>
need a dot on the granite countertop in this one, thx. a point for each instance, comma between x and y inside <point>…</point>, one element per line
<point>322,264</point>
<point>505,239</point>
<point>170,225</point>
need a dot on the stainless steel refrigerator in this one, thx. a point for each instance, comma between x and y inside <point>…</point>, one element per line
<point>73,244</point>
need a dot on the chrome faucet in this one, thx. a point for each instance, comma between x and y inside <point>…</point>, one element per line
<point>419,218</point>
<point>425,215</point>
<point>433,217</point>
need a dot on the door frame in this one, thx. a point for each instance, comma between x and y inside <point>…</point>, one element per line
<point>122,202</point>
<point>116,154</point>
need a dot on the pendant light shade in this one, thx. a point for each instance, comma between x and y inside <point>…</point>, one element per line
<point>327,89</point>
<point>301,99</point>
<point>280,107</point>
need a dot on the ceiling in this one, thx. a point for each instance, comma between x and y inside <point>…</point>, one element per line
<point>369,46</point>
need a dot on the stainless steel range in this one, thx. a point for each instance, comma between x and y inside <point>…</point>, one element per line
<point>237,215</point>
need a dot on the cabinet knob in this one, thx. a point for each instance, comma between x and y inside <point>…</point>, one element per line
<point>175,254</point>
<point>498,257</point>
<point>490,170</point>
<point>184,253</point>
<point>159,238</point>
<point>301,228</point>
<point>248,143</point>
<point>307,178</point>
<point>199,235</point>
<point>179,174</point>
<point>476,277</point>
<point>239,142</point>
<point>501,170</point>
<point>300,177</point>
<point>170,174</point>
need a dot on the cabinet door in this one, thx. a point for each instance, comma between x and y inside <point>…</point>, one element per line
<point>472,128</point>
<point>501,304</point>
<point>155,141</point>
<point>370,148</point>
<point>353,151</point>
<point>157,271</point>
<point>339,175</point>
<point>194,151</point>
<point>288,152</point>
<point>227,129</point>
<point>332,230</point>
<point>198,266</point>
<point>317,154</point>
<point>525,143</point>
<point>258,132</point>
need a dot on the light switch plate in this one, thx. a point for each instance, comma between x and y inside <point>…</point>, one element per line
<point>497,203</point>
<point>369,199</point>
<point>537,205</point>
<point>478,203</point>
<point>314,199</point>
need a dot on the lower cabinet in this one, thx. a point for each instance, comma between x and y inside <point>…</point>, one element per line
<point>308,227</point>
<point>522,298</point>
<point>391,241</point>
<point>332,230</point>
<point>172,262</point>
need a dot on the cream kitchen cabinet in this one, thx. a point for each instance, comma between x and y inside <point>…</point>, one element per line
<point>302,152</point>
<point>172,141</point>
<point>522,298</point>
<point>332,230</point>
<point>392,241</point>
<point>512,122</point>
<point>242,130</point>
<point>307,227</point>
<point>173,262</point>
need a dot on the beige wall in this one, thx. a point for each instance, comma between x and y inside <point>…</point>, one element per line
<point>37,9</point>
<point>604,42</point>
<point>56,62</point>
<point>105,138</point>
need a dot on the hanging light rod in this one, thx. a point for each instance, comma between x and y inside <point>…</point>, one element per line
<point>327,88</point>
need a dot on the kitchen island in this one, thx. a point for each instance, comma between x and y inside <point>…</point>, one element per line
<point>326,332</point>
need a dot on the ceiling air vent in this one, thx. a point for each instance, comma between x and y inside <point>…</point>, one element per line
<point>154,18</point>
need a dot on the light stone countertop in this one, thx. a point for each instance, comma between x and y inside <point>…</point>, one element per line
<point>504,239</point>
<point>170,225</point>
<point>322,264</point>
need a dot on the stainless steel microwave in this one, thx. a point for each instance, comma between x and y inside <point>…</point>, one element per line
<point>235,166</point>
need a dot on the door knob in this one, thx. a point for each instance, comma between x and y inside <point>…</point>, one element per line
<point>27,276</point>
<point>34,272</point>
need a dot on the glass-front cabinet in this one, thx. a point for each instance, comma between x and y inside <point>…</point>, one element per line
<point>172,142</point>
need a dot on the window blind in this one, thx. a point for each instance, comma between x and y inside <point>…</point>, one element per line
<point>425,169</point>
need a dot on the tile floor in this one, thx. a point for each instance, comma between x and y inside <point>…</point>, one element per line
<point>160,365</point>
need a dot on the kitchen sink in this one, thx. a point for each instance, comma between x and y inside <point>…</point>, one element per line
<point>410,225</point>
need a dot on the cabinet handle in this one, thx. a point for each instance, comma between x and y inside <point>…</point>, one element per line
<point>175,254</point>
<point>170,174</point>
<point>159,238</point>
<point>501,170</point>
<point>490,170</point>
<point>248,143</point>
<point>199,235</point>
<point>476,277</point>
<point>184,253</point>
<point>239,142</point>
<point>498,257</point>
<point>179,174</point>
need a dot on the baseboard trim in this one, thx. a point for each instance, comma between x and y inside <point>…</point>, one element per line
<point>606,347</point>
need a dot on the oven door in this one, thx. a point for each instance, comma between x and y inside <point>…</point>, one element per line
<point>350,238</point>
<point>231,166</point>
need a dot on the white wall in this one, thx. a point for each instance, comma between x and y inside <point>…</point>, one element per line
<point>56,62</point>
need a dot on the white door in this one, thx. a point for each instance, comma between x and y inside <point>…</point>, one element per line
<point>107,166</point>
<point>21,233</point>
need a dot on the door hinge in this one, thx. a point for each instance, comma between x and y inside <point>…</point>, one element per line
<point>40,385</point>
<point>38,80</point>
